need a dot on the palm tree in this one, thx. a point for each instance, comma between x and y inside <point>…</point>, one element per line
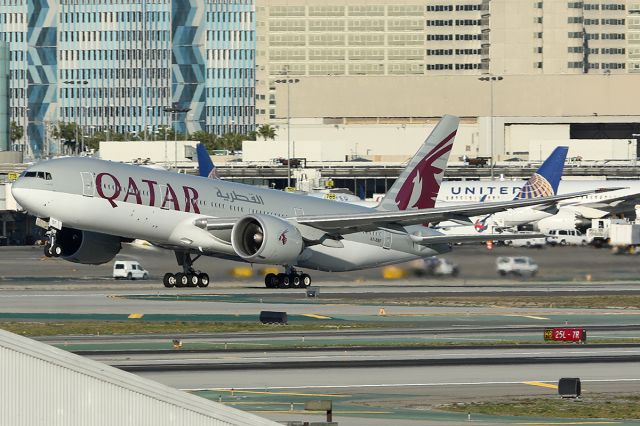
<point>15,133</point>
<point>232,141</point>
<point>267,131</point>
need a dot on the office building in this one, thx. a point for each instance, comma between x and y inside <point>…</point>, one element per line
<point>118,66</point>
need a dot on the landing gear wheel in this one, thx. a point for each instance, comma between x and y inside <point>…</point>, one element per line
<point>181,280</point>
<point>295,280</point>
<point>192,280</point>
<point>47,250</point>
<point>283,281</point>
<point>56,250</point>
<point>306,280</point>
<point>169,280</point>
<point>271,280</point>
<point>203,280</point>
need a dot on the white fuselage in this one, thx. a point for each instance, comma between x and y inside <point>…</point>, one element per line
<point>161,207</point>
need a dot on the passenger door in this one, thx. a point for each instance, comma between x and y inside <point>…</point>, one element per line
<point>88,188</point>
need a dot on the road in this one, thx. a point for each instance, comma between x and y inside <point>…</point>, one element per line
<point>385,382</point>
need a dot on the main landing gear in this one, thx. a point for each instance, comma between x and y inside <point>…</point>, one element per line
<point>51,247</point>
<point>189,277</point>
<point>289,279</point>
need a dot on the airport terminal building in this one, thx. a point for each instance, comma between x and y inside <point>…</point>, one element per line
<point>343,71</point>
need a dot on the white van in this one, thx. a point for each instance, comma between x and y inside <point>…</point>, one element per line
<point>566,237</point>
<point>517,265</point>
<point>129,269</point>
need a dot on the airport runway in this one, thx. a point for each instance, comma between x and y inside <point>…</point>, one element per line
<point>28,266</point>
<point>372,385</point>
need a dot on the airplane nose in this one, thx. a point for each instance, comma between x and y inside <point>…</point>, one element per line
<point>18,191</point>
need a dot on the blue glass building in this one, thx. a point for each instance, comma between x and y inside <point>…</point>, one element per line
<point>116,65</point>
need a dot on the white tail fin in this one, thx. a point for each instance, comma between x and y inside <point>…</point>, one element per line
<point>419,183</point>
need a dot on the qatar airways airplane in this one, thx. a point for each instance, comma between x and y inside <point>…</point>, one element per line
<point>90,207</point>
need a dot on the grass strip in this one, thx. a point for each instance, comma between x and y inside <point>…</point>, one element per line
<point>594,406</point>
<point>538,301</point>
<point>27,328</point>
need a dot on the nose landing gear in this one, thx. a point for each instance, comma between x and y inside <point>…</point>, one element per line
<point>189,277</point>
<point>51,247</point>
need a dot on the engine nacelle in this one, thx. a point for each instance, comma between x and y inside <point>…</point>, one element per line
<point>266,239</point>
<point>565,219</point>
<point>87,247</point>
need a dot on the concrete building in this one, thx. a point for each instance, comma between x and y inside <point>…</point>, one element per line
<point>117,66</point>
<point>511,117</point>
<point>4,96</point>
<point>308,38</point>
<point>42,385</point>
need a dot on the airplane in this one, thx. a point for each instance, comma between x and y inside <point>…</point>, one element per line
<point>606,198</point>
<point>543,182</point>
<point>90,206</point>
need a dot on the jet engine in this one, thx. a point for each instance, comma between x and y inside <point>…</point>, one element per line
<point>87,247</point>
<point>266,239</point>
<point>564,219</point>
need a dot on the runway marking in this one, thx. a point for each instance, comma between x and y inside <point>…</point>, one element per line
<point>542,385</point>
<point>248,391</point>
<point>334,412</point>
<point>135,316</point>
<point>389,385</point>
<point>316,316</point>
<point>528,316</point>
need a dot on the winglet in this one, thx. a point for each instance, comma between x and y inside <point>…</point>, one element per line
<point>206,168</point>
<point>419,183</point>
<point>546,179</point>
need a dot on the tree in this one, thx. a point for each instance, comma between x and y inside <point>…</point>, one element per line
<point>232,141</point>
<point>267,131</point>
<point>15,133</point>
<point>209,140</point>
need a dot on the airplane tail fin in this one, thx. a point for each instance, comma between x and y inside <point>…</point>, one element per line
<point>206,168</point>
<point>544,182</point>
<point>419,183</point>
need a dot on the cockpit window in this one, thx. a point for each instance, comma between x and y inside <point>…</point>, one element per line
<point>39,175</point>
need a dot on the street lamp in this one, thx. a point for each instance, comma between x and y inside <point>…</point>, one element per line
<point>173,110</point>
<point>491,79</point>
<point>288,82</point>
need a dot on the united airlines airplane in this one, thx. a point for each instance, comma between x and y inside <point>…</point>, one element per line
<point>90,207</point>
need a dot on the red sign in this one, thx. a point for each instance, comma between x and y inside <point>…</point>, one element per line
<point>565,334</point>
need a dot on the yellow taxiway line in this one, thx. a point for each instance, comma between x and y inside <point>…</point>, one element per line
<point>542,385</point>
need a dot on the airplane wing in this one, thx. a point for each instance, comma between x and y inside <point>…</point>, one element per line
<point>359,222</point>
<point>445,239</point>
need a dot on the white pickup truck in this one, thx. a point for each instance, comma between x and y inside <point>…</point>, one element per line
<point>516,265</point>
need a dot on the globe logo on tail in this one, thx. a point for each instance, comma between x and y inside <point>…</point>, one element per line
<point>537,186</point>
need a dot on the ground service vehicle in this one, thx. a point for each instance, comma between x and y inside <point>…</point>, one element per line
<point>537,242</point>
<point>565,237</point>
<point>517,265</point>
<point>130,270</point>
<point>434,266</point>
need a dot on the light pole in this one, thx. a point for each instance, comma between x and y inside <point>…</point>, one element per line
<point>288,82</point>
<point>147,126</point>
<point>491,79</point>
<point>173,110</point>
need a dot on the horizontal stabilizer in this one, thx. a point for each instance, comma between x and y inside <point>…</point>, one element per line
<point>444,239</point>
